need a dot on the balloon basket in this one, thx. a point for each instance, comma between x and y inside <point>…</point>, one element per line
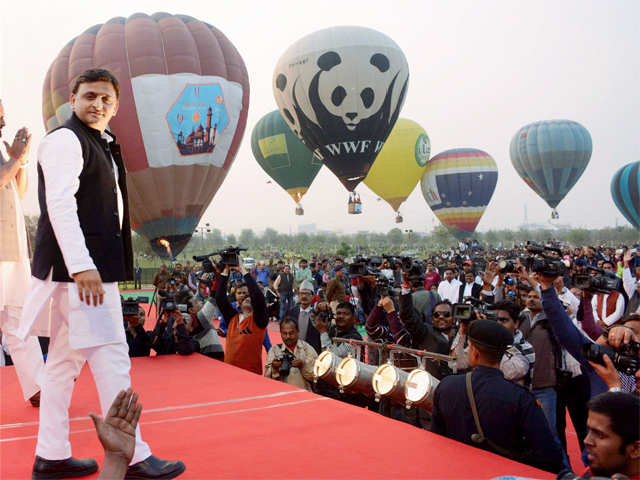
<point>554,214</point>
<point>355,205</point>
<point>299,210</point>
<point>399,218</point>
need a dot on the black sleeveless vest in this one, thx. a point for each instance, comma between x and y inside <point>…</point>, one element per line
<point>109,246</point>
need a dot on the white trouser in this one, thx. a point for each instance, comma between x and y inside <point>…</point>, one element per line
<point>110,366</point>
<point>26,355</point>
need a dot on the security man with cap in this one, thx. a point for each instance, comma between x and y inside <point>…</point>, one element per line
<point>483,409</point>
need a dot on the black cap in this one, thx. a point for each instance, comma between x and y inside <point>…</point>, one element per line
<point>490,334</point>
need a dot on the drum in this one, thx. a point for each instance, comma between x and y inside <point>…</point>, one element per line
<point>325,368</point>
<point>355,377</point>
<point>419,389</point>
<point>389,381</point>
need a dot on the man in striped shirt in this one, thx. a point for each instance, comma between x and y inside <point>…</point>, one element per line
<point>519,359</point>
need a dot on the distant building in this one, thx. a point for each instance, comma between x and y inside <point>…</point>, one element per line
<point>200,140</point>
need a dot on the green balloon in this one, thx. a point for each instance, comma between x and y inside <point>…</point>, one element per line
<point>283,156</point>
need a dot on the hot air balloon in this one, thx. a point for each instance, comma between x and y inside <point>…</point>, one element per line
<point>340,91</point>
<point>550,156</point>
<point>400,164</point>
<point>184,96</point>
<point>625,190</point>
<point>284,157</point>
<point>458,185</point>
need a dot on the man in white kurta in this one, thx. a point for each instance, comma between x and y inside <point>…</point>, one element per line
<point>14,263</point>
<point>85,316</point>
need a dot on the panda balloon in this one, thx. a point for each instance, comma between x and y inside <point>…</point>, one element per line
<point>340,91</point>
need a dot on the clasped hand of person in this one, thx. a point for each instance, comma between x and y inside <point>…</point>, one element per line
<point>19,149</point>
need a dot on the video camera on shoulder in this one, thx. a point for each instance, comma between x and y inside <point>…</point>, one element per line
<point>625,359</point>
<point>359,267</point>
<point>540,262</point>
<point>130,305</point>
<point>483,308</point>
<point>384,287</point>
<point>463,312</point>
<point>230,256</point>
<point>604,282</point>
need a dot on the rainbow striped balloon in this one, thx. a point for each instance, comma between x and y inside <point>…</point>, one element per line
<point>625,190</point>
<point>458,185</point>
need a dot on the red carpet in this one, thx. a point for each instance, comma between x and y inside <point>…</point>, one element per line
<point>224,422</point>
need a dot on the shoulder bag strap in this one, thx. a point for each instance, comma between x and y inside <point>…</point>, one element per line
<point>479,437</point>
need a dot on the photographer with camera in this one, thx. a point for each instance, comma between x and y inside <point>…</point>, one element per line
<point>171,336</point>
<point>292,361</point>
<point>336,290</point>
<point>246,329</point>
<point>138,339</point>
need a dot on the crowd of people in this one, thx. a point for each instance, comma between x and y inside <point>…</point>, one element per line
<point>521,335</point>
<point>525,335</point>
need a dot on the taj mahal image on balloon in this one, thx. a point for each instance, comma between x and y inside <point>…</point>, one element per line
<point>200,140</point>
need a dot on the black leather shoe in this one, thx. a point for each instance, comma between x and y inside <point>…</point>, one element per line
<point>154,468</point>
<point>69,468</point>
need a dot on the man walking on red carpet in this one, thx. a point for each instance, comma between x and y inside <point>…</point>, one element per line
<point>83,248</point>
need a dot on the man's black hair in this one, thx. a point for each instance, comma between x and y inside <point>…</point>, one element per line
<point>441,302</point>
<point>510,307</point>
<point>97,75</point>
<point>491,355</point>
<point>291,320</point>
<point>623,410</point>
<point>240,284</point>
<point>346,306</point>
<point>303,260</point>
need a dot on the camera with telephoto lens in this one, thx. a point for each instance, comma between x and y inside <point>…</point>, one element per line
<point>230,256</point>
<point>625,359</point>
<point>604,282</point>
<point>286,357</point>
<point>130,305</point>
<point>540,262</point>
<point>168,303</point>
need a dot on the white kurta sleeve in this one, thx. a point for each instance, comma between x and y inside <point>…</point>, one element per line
<point>60,157</point>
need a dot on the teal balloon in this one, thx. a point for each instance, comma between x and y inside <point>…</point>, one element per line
<point>550,156</point>
<point>625,190</point>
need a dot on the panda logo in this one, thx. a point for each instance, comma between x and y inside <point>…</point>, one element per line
<point>352,103</point>
<point>342,94</point>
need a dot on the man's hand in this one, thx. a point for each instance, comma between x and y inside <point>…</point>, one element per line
<point>276,364</point>
<point>545,281</point>
<point>19,149</point>
<point>297,363</point>
<point>607,372</point>
<point>89,285</point>
<point>626,259</point>
<point>387,304</point>
<point>117,433</point>
<point>621,335</point>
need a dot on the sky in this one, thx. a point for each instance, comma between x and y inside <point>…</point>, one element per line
<point>478,72</point>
